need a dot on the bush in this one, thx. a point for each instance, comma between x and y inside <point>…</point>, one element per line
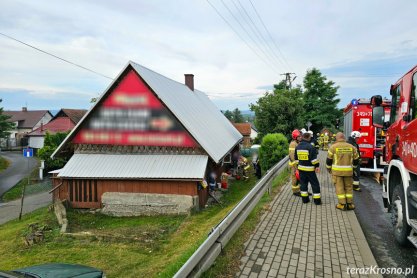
<point>51,143</point>
<point>274,147</point>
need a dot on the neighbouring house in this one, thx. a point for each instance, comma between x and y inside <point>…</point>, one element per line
<point>65,120</point>
<point>245,130</point>
<point>253,132</point>
<point>145,147</point>
<point>25,122</point>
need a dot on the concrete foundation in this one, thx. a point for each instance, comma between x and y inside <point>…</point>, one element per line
<point>136,204</point>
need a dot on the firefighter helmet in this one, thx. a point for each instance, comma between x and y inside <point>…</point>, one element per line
<point>295,134</point>
<point>303,130</point>
<point>355,134</point>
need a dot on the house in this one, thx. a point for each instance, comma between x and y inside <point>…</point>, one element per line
<point>245,130</point>
<point>65,120</point>
<point>253,132</point>
<point>145,147</point>
<point>25,122</point>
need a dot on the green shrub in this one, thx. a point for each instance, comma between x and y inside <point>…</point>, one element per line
<point>274,147</point>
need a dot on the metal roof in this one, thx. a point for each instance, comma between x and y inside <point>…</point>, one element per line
<point>125,166</point>
<point>202,119</point>
<point>205,122</point>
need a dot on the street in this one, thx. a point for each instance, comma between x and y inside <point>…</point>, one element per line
<point>376,225</point>
<point>17,170</point>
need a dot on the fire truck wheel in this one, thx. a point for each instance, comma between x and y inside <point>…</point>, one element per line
<point>398,216</point>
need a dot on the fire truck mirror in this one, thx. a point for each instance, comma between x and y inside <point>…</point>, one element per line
<point>378,115</point>
<point>376,100</point>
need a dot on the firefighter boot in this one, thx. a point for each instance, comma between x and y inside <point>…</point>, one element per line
<point>350,206</point>
<point>305,199</point>
<point>357,188</point>
<point>298,194</point>
<point>341,206</point>
<point>317,201</point>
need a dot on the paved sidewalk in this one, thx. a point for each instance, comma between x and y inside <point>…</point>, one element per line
<point>11,210</point>
<point>305,240</point>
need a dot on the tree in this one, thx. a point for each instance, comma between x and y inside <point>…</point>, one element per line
<point>237,116</point>
<point>228,114</point>
<point>320,100</point>
<point>274,147</point>
<point>5,126</point>
<point>279,112</point>
<point>51,143</point>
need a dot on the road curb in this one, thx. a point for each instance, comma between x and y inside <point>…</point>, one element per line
<point>364,249</point>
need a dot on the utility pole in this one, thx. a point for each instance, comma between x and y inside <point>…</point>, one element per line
<point>289,79</point>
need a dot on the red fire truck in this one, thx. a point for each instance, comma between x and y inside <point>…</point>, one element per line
<point>358,117</point>
<point>400,152</point>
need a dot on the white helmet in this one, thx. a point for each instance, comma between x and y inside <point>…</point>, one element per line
<point>303,130</point>
<point>355,134</point>
<point>311,132</point>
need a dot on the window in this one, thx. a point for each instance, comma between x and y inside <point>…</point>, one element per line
<point>413,102</point>
<point>395,105</point>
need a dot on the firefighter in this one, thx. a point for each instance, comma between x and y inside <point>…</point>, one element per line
<point>353,140</point>
<point>321,141</point>
<point>318,139</point>
<point>325,141</point>
<point>296,136</point>
<point>308,165</point>
<point>342,158</point>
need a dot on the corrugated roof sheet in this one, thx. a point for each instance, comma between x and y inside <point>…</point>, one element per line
<point>205,122</point>
<point>122,166</point>
<point>195,111</point>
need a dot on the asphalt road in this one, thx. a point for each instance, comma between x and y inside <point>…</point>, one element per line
<point>376,225</point>
<point>17,170</point>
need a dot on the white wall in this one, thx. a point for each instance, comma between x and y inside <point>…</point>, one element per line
<point>36,141</point>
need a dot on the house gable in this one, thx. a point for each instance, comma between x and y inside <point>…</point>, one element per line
<point>130,114</point>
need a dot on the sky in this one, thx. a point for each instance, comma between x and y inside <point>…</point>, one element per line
<point>236,49</point>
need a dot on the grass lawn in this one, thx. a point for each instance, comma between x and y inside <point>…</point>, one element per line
<point>123,247</point>
<point>4,163</point>
<point>16,191</point>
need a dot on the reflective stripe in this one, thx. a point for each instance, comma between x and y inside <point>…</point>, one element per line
<point>342,168</point>
<point>314,161</point>
<point>328,166</point>
<point>292,163</point>
<point>295,187</point>
<point>316,196</point>
<point>349,195</point>
<point>355,183</point>
<point>304,194</point>
<point>341,196</point>
<point>302,151</point>
<point>291,149</point>
<point>344,150</point>
<point>306,168</point>
<point>329,152</point>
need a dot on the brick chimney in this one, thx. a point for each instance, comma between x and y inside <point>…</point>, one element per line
<point>189,81</point>
<point>41,126</point>
<point>24,109</point>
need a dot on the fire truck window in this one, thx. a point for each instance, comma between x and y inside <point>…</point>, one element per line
<point>413,101</point>
<point>396,93</point>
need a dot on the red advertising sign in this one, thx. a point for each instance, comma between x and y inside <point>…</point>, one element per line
<point>132,115</point>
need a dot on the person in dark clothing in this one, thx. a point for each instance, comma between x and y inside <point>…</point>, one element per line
<point>353,140</point>
<point>308,165</point>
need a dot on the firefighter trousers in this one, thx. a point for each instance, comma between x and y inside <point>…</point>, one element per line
<point>344,188</point>
<point>294,182</point>
<point>356,176</point>
<point>305,178</point>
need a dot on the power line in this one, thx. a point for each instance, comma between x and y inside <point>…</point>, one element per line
<point>258,33</point>
<point>237,33</point>
<point>55,56</point>
<point>269,34</point>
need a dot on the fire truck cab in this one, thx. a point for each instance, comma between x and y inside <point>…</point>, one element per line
<point>400,152</point>
<point>358,117</point>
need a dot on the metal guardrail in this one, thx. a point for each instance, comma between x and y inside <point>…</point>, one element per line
<point>208,251</point>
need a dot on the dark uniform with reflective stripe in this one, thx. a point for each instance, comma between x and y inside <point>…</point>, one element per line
<point>306,157</point>
<point>293,165</point>
<point>342,157</point>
